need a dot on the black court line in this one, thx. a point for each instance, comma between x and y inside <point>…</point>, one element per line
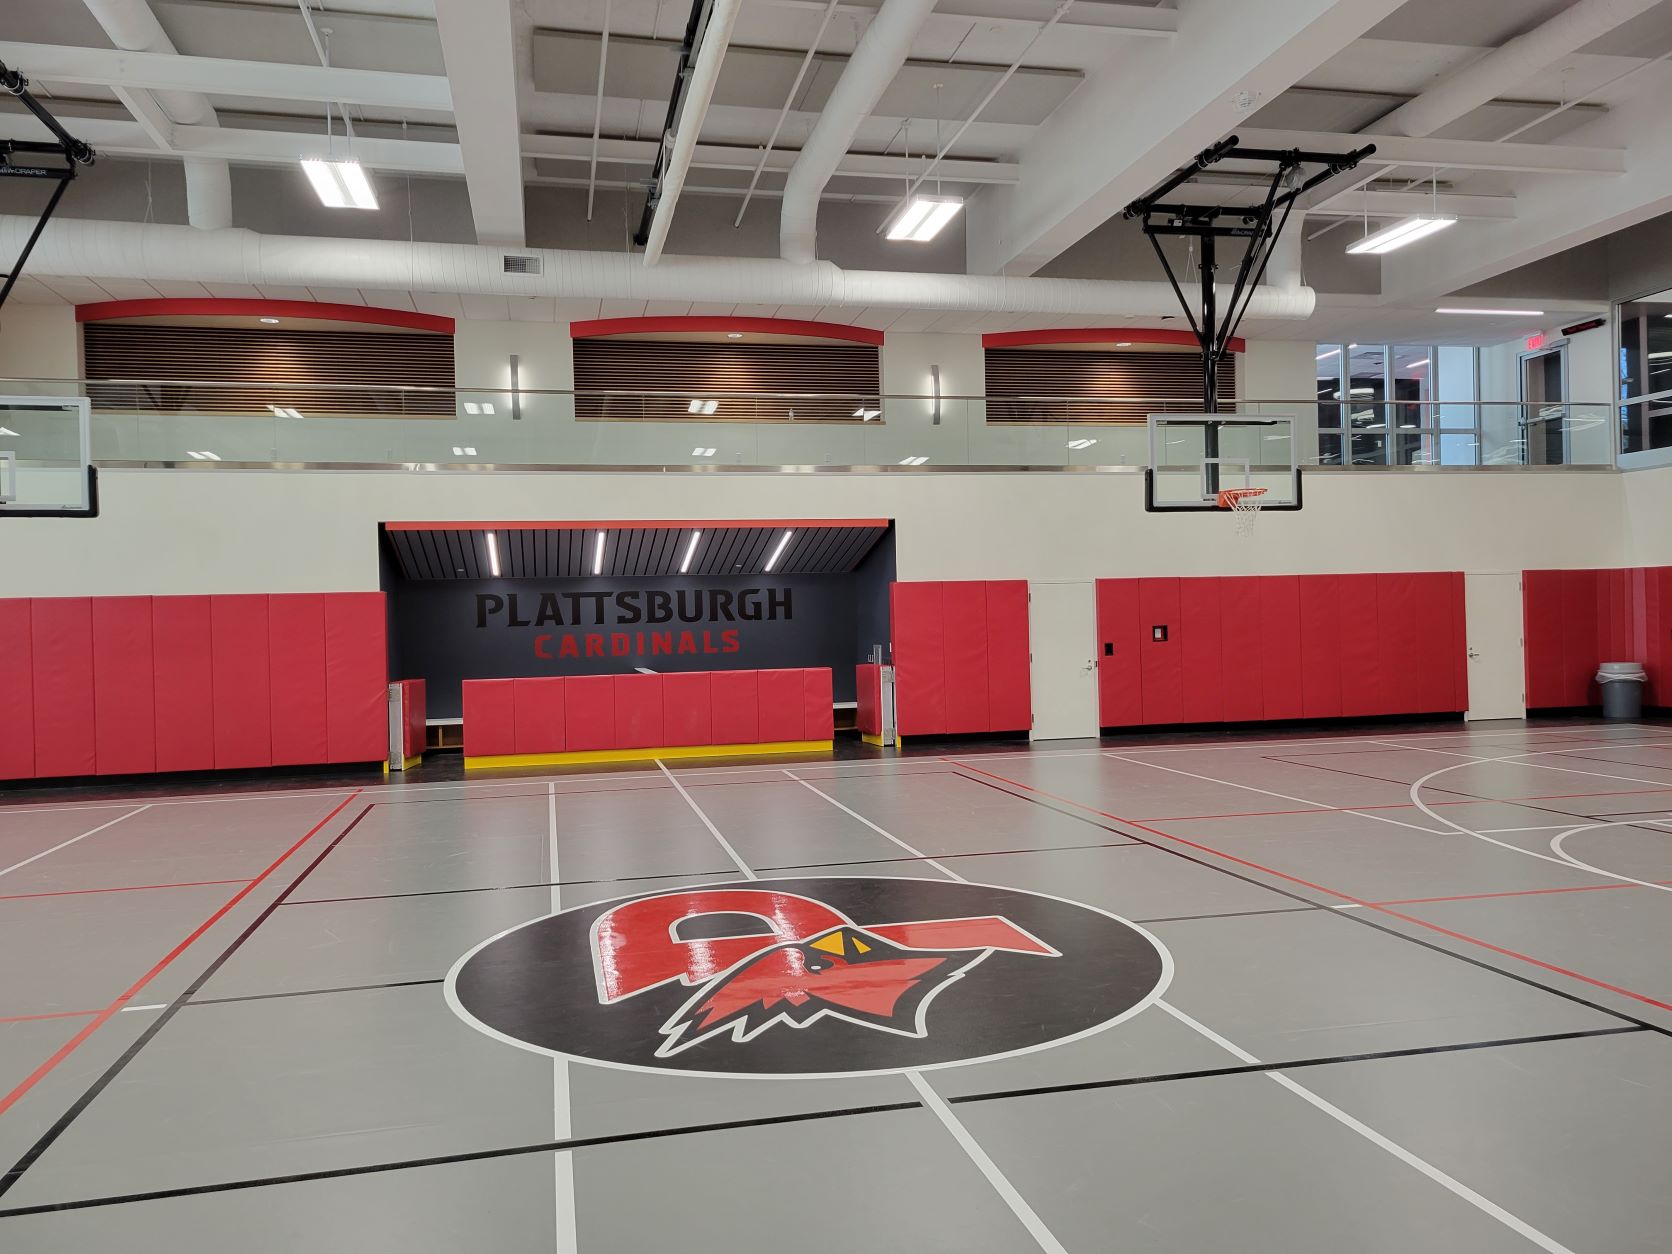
<point>766,1121</point>
<point>1231,914</point>
<point>316,992</point>
<point>46,1139</point>
<point>1355,916</point>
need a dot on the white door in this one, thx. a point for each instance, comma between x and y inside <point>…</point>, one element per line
<point>1062,634</point>
<point>1497,673</point>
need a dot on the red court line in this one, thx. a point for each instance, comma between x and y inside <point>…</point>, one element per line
<point>1405,805</point>
<point>1332,892</point>
<point>1521,892</point>
<point>124,888</point>
<point>99,1020</point>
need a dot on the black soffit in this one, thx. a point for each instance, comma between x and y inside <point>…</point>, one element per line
<point>432,553</point>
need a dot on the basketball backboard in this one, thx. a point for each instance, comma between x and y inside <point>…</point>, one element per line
<point>1193,456</point>
<point>45,467</point>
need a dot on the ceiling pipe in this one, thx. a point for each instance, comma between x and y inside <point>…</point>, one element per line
<point>133,27</point>
<point>876,59</point>
<point>705,74</point>
<point>79,247</point>
<point>1506,68</point>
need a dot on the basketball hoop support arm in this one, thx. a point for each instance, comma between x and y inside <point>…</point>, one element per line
<point>65,146</point>
<point>1260,225</point>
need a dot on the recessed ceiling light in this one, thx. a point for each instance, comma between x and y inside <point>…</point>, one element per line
<point>285,411</point>
<point>272,322</point>
<point>598,555</point>
<point>701,451</point>
<point>493,554</point>
<point>690,549</point>
<point>340,184</point>
<point>865,415</point>
<point>913,461</point>
<point>204,456</point>
<point>779,551</point>
<point>734,335</point>
<point>1405,231</point>
<point>701,407</point>
<point>463,450</point>
<point>1491,313</point>
<point>478,407</point>
<point>921,218</point>
<point>1081,443</point>
<point>1332,352</point>
<point>1123,343</point>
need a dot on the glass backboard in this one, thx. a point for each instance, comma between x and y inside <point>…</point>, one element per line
<point>44,463</point>
<point>1192,457</point>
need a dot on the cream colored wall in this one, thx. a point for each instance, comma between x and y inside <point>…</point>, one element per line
<point>39,342</point>
<point>192,531</point>
<point>1648,516</point>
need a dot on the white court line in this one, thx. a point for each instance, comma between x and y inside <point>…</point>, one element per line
<point>878,830</point>
<point>563,1161</point>
<point>1483,1204</point>
<point>748,872</point>
<point>1283,796</point>
<point>72,840</point>
<point>1043,1235</point>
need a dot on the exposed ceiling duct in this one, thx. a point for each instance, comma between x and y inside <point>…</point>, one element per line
<point>876,59</point>
<point>1508,67</point>
<point>133,27</point>
<point>155,252</point>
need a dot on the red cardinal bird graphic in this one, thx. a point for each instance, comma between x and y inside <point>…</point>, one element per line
<point>847,972</point>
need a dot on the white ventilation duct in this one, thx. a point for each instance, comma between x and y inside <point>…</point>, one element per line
<point>876,59</point>
<point>1283,266</point>
<point>1510,66</point>
<point>72,247</point>
<point>133,27</point>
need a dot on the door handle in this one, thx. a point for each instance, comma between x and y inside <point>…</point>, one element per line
<point>1474,653</point>
<point>1091,665</point>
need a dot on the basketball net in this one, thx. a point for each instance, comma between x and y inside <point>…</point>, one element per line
<point>1244,504</point>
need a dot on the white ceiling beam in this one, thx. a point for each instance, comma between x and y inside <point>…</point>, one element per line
<point>1093,18</point>
<point>1454,154</point>
<point>143,106</point>
<point>157,71</point>
<point>1390,204</point>
<point>735,157</point>
<point>1144,114</point>
<point>477,49</point>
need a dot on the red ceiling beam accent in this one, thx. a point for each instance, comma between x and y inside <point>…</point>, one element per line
<point>219,307</point>
<point>603,524</point>
<point>1090,336</point>
<point>598,327</point>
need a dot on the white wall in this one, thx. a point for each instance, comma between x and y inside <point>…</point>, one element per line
<point>39,342</point>
<point>1593,375</point>
<point>1648,516</point>
<point>191,531</point>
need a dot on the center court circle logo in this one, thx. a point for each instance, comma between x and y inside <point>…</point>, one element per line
<point>809,977</point>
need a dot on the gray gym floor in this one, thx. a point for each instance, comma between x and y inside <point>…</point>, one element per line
<point>1419,998</point>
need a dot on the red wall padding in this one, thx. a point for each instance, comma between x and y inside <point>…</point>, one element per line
<point>581,713</point>
<point>868,689</point>
<point>17,691</point>
<point>414,725</point>
<point>1573,620</point>
<point>132,685</point>
<point>961,657</point>
<point>1248,648</point>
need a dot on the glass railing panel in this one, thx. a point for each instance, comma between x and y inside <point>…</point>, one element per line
<point>43,463</point>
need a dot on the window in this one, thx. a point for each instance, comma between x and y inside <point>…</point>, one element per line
<point>1646,370</point>
<point>1398,405</point>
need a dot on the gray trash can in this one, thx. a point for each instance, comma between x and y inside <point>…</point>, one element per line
<point>1622,689</point>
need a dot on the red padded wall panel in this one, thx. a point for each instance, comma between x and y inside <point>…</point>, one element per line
<point>415,727</point>
<point>867,682</point>
<point>783,705</point>
<point>1619,645</point>
<point>124,696</point>
<point>1009,679</point>
<point>17,691</point>
<point>919,635</point>
<point>1656,648</point>
<point>1429,651</point>
<point>1579,614</point>
<point>1199,642</point>
<point>490,717</point>
<point>183,686</point>
<point>537,714</point>
<point>242,694</point>
<point>1241,656</point>
<point>296,669</point>
<point>1281,690</point>
<point>736,707</point>
<point>1320,645</point>
<point>1456,594</point>
<point>687,713</point>
<point>589,713</point>
<point>61,630</point>
<point>1161,661</point>
<point>1402,629</point>
<point>356,677</point>
<point>965,648</point>
<point>819,710</point>
<point>1119,654</point>
<point>638,712</point>
<point>1541,628</point>
<point>1364,683</point>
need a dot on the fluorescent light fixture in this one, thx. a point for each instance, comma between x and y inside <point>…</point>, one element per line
<point>1332,352</point>
<point>1405,231</point>
<point>690,551</point>
<point>1491,313</point>
<point>7,431</point>
<point>866,415</point>
<point>734,335</point>
<point>1123,343</point>
<point>272,322</point>
<point>204,456</point>
<point>464,450</point>
<point>493,554</point>
<point>778,552</point>
<point>285,411</point>
<point>1658,356</point>
<point>913,461</point>
<point>1081,443</point>
<point>701,407</point>
<point>1418,365</point>
<point>701,451</point>
<point>478,407</point>
<point>339,184</point>
<point>922,217</point>
<point>598,555</point>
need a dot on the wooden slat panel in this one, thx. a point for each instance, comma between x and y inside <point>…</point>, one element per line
<point>303,368</point>
<point>1115,375</point>
<point>697,369</point>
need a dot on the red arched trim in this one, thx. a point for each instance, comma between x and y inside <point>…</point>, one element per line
<point>1098,335</point>
<point>217,307</point>
<point>760,326</point>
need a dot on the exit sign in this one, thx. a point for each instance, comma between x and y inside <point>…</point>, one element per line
<point>1534,343</point>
